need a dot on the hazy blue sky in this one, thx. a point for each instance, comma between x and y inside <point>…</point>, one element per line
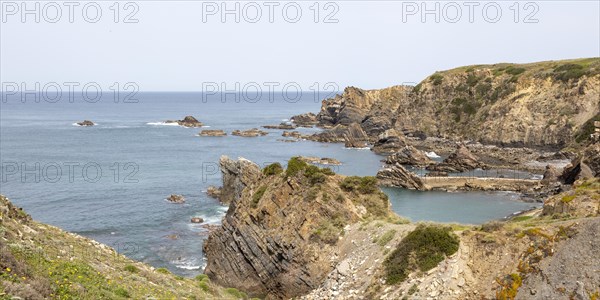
<point>370,46</point>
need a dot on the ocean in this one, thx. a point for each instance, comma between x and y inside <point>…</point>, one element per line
<point>109,182</point>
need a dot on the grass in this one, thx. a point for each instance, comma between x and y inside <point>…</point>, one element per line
<point>521,218</point>
<point>423,249</point>
<point>386,237</point>
<point>131,268</point>
<point>272,169</point>
<point>363,185</point>
<point>163,271</point>
<point>258,195</point>
<point>236,293</point>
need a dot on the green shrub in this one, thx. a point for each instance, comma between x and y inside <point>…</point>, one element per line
<point>472,80</point>
<point>569,71</point>
<point>327,232</point>
<point>236,293</point>
<point>163,271</point>
<point>424,248</point>
<point>386,237</point>
<point>131,268</point>
<point>364,185</point>
<point>514,71</point>
<point>314,175</point>
<point>417,88</point>
<point>272,169</point>
<point>483,88</point>
<point>295,165</point>
<point>201,277</point>
<point>122,292</point>
<point>436,79</point>
<point>413,289</point>
<point>258,195</point>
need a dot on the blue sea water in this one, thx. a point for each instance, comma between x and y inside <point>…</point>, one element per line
<point>109,182</point>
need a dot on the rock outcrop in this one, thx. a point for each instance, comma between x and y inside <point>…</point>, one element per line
<point>397,176</point>
<point>214,192</point>
<point>212,132</point>
<point>409,155</point>
<point>188,121</point>
<point>461,160</point>
<point>389,142</point>
<point>305,120</point>
<point>341,134</point>
<point>254,132</point>
<point>320,160</point>
<point>550,175</point>
<point>575,171</point>
<point>277,240</point>
<point>236,175</point>
<point>86,123</point>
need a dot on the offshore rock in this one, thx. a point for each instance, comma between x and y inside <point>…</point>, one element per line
<point>342,133</point>
<point>212,132</point>
<point>254,132</point>
<point>305,120</point>
<point>188,121</point>
<point>461,160</point>
<point>86,123</point>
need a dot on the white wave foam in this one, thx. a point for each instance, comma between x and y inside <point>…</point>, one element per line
<point>187,264</point>
<point>432,155</point>
<point>162,124</point>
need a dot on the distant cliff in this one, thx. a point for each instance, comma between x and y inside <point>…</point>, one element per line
<point>545,104</point>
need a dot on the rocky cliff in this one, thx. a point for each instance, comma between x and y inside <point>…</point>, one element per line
<point>38,261</point>
<point>545,104</point>
<point>278,238</point>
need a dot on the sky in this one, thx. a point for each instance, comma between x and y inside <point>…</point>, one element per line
<point>187,46</point>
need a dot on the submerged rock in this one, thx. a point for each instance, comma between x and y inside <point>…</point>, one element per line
<point>174,198</point>
<point>212,132</point>
<point>254,132</point>
<point>197,220</point>
<point>86,123</point>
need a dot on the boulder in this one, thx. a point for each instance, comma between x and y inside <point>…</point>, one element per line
<point>197,220</point>
<point>550,175</point>
<point>575,171</point>
<point>254,132</point>
<point>236,175</point>
<point>389,142</point>
<point>174,198</point>
<point>409,155</point>
<point>212,132</point>
<point>305,120</point>
<point>396,175</point>
<point>86,123</point>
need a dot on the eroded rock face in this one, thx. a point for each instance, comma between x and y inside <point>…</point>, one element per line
<point>389,141</point>
<point>86,123</point>
<point>342,133</point>
<point>278,239</point>
<point>236,175</point>
<point>409,155</point>
<point>396,175</point>
<point>577,170</point>
<point>591,157</point>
